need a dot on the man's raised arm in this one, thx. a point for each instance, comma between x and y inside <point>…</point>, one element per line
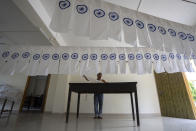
<point>85,78</point>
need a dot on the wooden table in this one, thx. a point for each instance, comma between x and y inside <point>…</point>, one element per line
<point>114,87</point>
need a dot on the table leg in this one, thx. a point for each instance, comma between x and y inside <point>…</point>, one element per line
<point>2,109</point>
<point>68,106</point>
<point>78,105</point>
<point>132,106</point>
<point>137,109</point>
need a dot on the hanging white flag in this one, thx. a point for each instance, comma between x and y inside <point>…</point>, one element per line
<point>157,64</point>
<point>104,60</point>
<point>122,60</point>
<point>147,60</point>
<point>113,60</point>
<point>131,60</point>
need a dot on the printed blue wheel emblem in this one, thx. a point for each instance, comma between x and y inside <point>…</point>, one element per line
<point>45,56</point>
<point>193,56</point>
<point>128,21</point>
<point>25,54</point>
<point>84,56</point>
<point>64,4</point>
<point>5,54</point>
<point>112,56</point>
<point>139,56</point>
<point>131,56</point>
<point>65,56</point>
<point>163,57</point>
<point>190,37</point>
<point>113,16</point>
<point>172,32</point>
<point>178,56</point>
<point>81,9</point>
<point>104,56</point>
<point>122,57</point>
<point>156,56</point>
<point>99,13</point>
<point>36,56</point>
<point>171,55</point>
<point>186,57</point>
<point>55,56</point>
<point>139,24</point>
<point>15,55</point>
<point>93,56</point>
<point>162,30</point>
<point>74,56</point>
<point>147,56</point>
<point>152,27</point>
<point>182,35</point>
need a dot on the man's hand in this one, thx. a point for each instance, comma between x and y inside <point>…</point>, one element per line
<point>103,81</point>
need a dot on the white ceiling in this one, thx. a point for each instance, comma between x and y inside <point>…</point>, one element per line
<point>16,29</point>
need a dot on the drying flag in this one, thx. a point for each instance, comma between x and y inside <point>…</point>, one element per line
<point>122,60</point>
<point>147,61</point>
<point>84,60</point>
<point>113,60</point>
<point>157,64</point>
<point>104,60</point>
<point>131,60</point>
<point>128,25</point>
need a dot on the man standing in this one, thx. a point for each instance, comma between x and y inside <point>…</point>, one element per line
<point>98,97</point>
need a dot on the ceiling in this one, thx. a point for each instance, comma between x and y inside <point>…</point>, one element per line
<point>16,29</point>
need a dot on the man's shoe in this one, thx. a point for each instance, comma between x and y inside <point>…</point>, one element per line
<point>99,117</point>
<point>95,117</point>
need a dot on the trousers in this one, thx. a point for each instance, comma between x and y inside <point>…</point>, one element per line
<point>98,104</point>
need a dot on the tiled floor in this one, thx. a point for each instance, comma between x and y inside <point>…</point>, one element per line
<point>56,122</point>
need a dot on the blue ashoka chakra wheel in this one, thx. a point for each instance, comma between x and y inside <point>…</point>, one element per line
<point>186,57</point>
<point>113,16</point>
<point>178,56</point>
<point>93,56</point>
<point>128,21</point>
<point>99,13</point>
<point>55,56</point>
<point>104,56</point>
<point>65,56</point>
<point>171,55</point>
<point>74,56</point>
<point>156,56</point>
<point>36,56</point>
<point>193,56</point>
<point>162,30</point>
<point>84,56</point>
<point>172,32</point>
<point>25,54</point>
<point>151,27</point>
<point>190,37</point>
<point>64,4</point>
<point>45,56</point>
<point>5,54</point>
<point>182,35</point>
<point>139,56</point>
<point>163,57</point>
<point>122,57</point>
<point>112,56</point>
<point>15,55</point>
<point>131,56</point>
<point>147,56</point>
<point>139,24</point>
<point>81,9</point>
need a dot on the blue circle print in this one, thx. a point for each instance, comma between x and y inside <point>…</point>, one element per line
<point>182,35</point>
<point>81,9</point>
<point>186,57</point>
<point>131,56</point>
<point>171,55</point>
<point>139,56</point>
<point>156,56</point>
<point>147,56</point>
<point>113,16</point>
<point>15,55</point>
<point>151,27</point>
<point>193,56</point>
<point>190,37</point>
<point>25,54</point>
<point>172,32</point>
<point>139,24</point>
<point>99,13</point>
<point>104,56</point>
<point>178,56</point>
<point>55,56</point>
<point>65,56</point>
<point>162,30</point>
<point>93,56</point>
<point>36,56</point>
<point>163,57</point>
<point>74,56</point>
<point>112,56</point>
<point>84,56</point>
<point>5,54</point>
<point>122,57</point>
<point>45,56</point>
<point>64,4</point>
<point>128,21</point>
